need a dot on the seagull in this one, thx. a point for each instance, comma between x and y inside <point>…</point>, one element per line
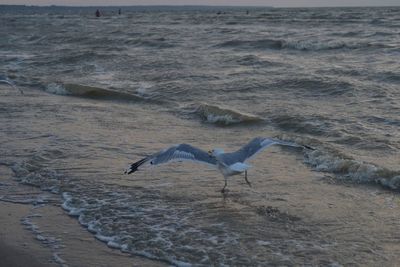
<point>228,164</point>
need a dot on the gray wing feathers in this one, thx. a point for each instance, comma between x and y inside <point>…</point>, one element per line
<point>183,152</point>
<point>244,153</point>
<point>255,146</point>
<point>180,152</point>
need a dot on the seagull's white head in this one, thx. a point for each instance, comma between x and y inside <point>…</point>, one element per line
<point>216,151</point>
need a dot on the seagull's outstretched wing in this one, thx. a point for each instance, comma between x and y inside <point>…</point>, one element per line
<point>255,146</point>
<point>180,152</point>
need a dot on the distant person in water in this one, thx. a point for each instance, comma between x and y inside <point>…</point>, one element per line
<point>97,13</point>
<point>119,11</point>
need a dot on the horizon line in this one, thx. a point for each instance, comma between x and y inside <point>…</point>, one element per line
<point>198,5</point>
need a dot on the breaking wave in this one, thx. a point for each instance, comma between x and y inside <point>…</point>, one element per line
<point>89,92</point>
<point>225,116</point>
<point>328,159</point>
<point>354,170</point>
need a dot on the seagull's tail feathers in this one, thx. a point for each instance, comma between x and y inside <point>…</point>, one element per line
<point>134,166</point>
<point>239,167</point>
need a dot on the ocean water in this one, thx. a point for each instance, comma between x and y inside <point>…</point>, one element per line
<point>103,92</point>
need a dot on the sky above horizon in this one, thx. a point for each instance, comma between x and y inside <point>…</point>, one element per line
<point>275,3</point>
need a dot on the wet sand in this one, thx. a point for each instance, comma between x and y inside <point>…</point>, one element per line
<point>17,246</point>
<point>43,235</point>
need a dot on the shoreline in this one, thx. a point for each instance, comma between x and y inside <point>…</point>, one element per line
<point>17,245</point>
<point>45,236</point>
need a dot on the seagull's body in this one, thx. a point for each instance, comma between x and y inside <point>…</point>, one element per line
<point>228,164</point>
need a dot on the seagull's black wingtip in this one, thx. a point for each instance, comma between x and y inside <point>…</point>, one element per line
<point>134,167</point>
<point>131,169</point>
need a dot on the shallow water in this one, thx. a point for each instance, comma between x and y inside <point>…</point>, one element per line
<point>101,93</point>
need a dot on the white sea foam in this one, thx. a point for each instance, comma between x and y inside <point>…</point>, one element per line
<point>68,206</point>
<point>224,119</point>
<point>113,244</point>
<point>352,169</point>
<point>30,225</point>
<point>43,237</point>
<point>58,259</point>
<point>143,89</point>
<point>57,89</point>
<point>32,172</point>
<point>263,243</point>
<point>105,239</point>
<point>147,228</point>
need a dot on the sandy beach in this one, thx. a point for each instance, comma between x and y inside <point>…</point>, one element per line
<point>17,245</point>
<point>43,236</point>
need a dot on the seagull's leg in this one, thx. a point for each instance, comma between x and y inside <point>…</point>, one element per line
<point>226,183</point>
<point>245,177</point>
